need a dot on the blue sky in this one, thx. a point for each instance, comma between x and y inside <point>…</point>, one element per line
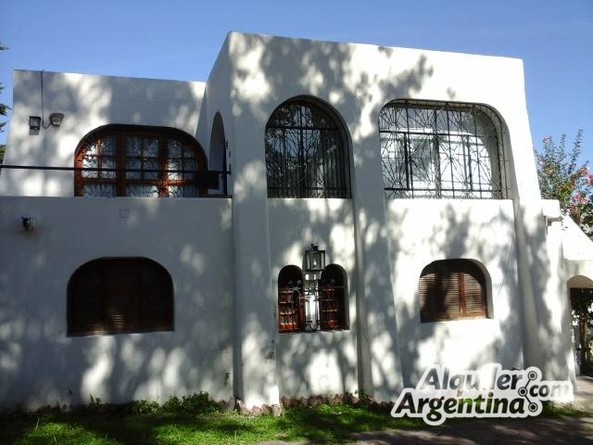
<point>179,39</point>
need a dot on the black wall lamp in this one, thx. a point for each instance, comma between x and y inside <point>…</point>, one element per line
<point>28,223</point>
<point>314,259</point>
<point>36,122</point>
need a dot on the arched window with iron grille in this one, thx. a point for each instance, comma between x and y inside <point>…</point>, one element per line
<point>441,150</point>
<point>306,153</point>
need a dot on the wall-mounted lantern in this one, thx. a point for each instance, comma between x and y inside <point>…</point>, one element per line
<point>55,119</point>
<point>34,123</point>
<point>314,259</point>
<point>27,223</point>
<point>37,122</point>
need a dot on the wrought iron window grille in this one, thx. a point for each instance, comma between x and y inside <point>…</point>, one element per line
<point>441,150</point>
<point>306,156</point>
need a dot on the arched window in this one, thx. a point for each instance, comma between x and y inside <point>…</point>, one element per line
<point>452,290</point>
<point>306,156</point>
<point>291,305</point>
<point>219,154</point>
<point>117,295</point>
<point>332,298</point>
<point>309,305</point>
<point>441,150</point>
<point>139,161</point>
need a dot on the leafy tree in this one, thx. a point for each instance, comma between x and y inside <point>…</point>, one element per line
<point>3,112</point>
<point>562,177</point>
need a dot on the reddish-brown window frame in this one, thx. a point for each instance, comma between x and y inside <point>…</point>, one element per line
<point>119,295</point>
<point>452,290</point>
<point>120,179</point>
<point>332,298</point>
<point>331,313</point>
<point>291,309</point>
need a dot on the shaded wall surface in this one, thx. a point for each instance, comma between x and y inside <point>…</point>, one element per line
<point>40,364</point>
<point>224,255</point>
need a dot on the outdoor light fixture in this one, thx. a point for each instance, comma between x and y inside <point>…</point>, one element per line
<point>28,223</point>
<point>34,123</point>
<point>37,122</point>
<point>55,119</point>
<point>314,259</point>
<point>552,219</point>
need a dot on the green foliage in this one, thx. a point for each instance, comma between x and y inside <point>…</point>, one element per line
<point>562,177</point>
<point>194,419</point>
<point>196,403</point>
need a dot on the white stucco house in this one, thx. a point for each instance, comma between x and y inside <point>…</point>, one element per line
<point>156,235</point>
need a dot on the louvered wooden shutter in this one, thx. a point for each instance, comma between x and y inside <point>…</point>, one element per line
<point>290,312</point>
<point>291,305</point>
<point>332,301</point>
<point>451,289</point>
<point>431,300</point>
<point>122,296</point>
<point>474,295</point>
<point>116,295</point>
<point>155,300</point>
<point>86,302</point>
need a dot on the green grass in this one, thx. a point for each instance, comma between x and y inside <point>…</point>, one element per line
<point>195,420</point>
<point>190,420</point>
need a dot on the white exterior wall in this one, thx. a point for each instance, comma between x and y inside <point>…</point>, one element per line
<point>88,102</point>
<point>190,238</point>
<point>381,244</point>
<point>318,362</point>
<point>422,231</point>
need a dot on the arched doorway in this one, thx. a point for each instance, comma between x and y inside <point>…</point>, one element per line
<point>219,156</point>
<point>580,291</point>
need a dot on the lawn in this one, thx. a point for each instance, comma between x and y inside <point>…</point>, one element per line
<point>191,420</point>
<point>197,420</point>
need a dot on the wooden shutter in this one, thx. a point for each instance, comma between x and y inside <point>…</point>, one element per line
<point>332,301</point>
<point>155,299</point>
<point>474,289</point>
<point>432,303</point>
<point>122,296</point>
<point>116,295</point>
<point>290,310</point>
<point>291,305</point>
<point>86,301</point>
<point>450,290</point>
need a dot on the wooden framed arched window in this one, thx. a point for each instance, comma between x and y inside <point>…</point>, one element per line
<point>118,295</point>
<point>291,304</point>
<point>452,290</point>
<point>139,161</point>
<point>332,298</point>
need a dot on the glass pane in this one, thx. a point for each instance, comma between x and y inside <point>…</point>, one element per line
<point>133,146</point>
<point>440,150</point>
<point>134,168</point>
<point>175,149</point>
<point>90,162</point>
<point>174,167</point>
<point>142,191</point>
<point>151,168</point>
<point>99,190</point>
